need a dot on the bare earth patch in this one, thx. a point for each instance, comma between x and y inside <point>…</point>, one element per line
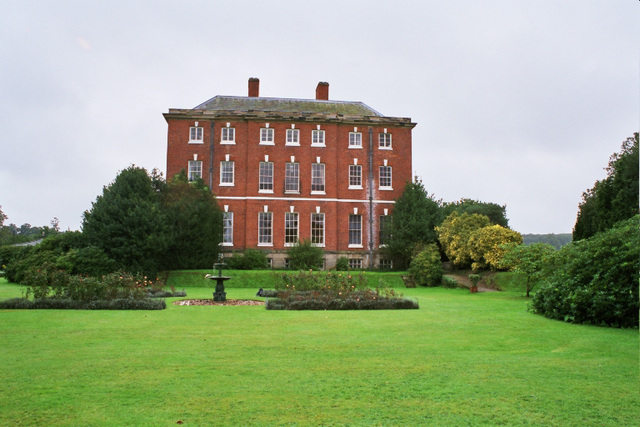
<point>212,302</point>
<point>464,280</point>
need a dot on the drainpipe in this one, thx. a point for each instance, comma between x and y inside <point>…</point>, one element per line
<point>371,198</point>
<point>211,157</point>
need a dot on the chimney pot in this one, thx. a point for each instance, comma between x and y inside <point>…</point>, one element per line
<point>322,91</point>
<point>254,87</point>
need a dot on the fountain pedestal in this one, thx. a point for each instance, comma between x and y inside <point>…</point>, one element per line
<point>219,295</point>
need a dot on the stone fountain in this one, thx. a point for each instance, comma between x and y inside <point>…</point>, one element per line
<point>219,294</point>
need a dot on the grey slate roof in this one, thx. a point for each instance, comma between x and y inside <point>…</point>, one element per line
<point>286,105</point>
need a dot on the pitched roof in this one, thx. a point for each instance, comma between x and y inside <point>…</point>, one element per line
<point>287,105</point>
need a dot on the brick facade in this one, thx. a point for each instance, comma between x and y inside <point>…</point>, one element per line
<point>343,125</point>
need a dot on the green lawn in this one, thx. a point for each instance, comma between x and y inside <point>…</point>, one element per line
<point>462,359</point>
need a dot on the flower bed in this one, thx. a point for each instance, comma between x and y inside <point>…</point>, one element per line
<point>333,291</point>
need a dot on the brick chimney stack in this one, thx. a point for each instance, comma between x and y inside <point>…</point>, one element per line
<point>322,91</point>
<point>254,87</point>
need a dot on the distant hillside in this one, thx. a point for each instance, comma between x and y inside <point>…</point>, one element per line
<point>556,240</point>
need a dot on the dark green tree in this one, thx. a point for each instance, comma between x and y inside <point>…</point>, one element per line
<point>414,217</point>
<point>128,223</point>
<point>613,199</point>
<point>497,214</point>
<point>194,224</point>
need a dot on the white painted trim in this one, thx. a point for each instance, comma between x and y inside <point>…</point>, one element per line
<point>304,199</point>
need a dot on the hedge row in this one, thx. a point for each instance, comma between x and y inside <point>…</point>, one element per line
<point>340,304</point>
<point>67,304</point>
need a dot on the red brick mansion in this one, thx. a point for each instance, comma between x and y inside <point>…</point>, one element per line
<point>285,170</point>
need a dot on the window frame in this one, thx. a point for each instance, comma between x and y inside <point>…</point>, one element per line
<point>265,180</point>
<point>289,136</point>
<point>355,234</point>
<point>319,136</point>
<point>265,223</point>
<point>385,264</point>
<point>383,230</point>
<point>224,136</point>
<point>288,179</point>
<point>353,176</point>
<point>386,178</point>
<point>227,228</point>
<point>316,238</point>
<point>385,141</point>
<point>193,172</point>
<point>355,263</point>
<point>291,232</point>
<point>199,132</point>
<point>224,173</point>
<point>267,136</point>
<point>315,186</point>
<point>355,143</point>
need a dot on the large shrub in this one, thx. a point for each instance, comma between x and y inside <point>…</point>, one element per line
<point>251,259</point>
<point>486,245</point>
<point>455,236</point>
<point>304,255</point>
<point>595,280</point>
<point>426,266</point>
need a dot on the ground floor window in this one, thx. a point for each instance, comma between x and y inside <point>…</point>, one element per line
<point>195,170</point>
<point>355,263</point>
<point>355,230</point>
<point>227,228</point>
<point>317,229</point>
<point>386,264</point>
<point>290,228</point>
<point>265,228</point>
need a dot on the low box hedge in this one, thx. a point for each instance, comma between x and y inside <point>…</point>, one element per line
<point>67,304</point>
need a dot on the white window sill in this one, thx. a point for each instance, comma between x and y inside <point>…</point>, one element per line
<point>289,245</point>
<point>292,192</point>
<point>382,246</point>
<point>318,145</point>
<point>226,184</point>
<point>318,245</point>
<point>268,143</point>
<point>357,147</point>
<point>355,187</point>
<point>227,143</point>
<point>356,246</point>
<point>385,148</point>
<point>292,144</point>
<point>386,188</point>
<point>318,193</point>
<point>227,244</point>
<point>195,141</point>
<point>265,244</point>
<point>265,191</point>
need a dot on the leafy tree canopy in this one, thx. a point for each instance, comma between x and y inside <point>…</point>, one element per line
<point>497,214</point>
<point>486,245</point>
<point>455,234</point>
<point>415,215</point>
<point>614,198</point>
<point>531,262</point>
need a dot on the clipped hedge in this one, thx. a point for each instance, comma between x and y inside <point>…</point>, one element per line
<point>67,304</point>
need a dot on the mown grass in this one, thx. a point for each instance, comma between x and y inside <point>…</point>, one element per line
<point>462,359</point>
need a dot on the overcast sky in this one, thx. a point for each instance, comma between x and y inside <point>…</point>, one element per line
<point>517,102</point>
